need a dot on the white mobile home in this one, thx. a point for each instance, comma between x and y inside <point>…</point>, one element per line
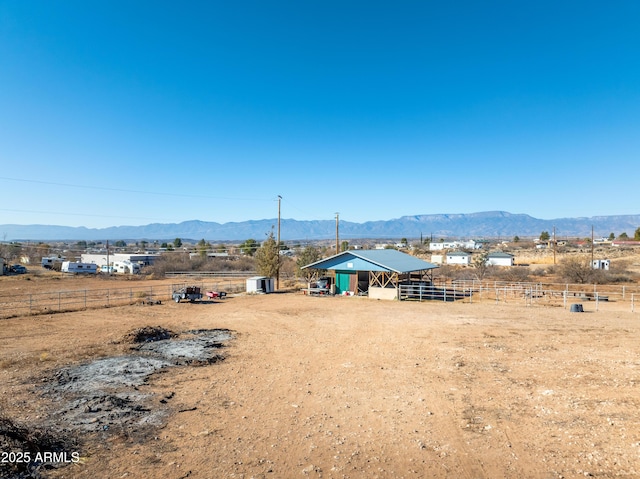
<point>459,257</point>
<point>77,267</point>
<point>500,259</point>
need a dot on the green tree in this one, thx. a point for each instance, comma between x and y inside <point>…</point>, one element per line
<point>143,244</point>
<point>202,248</point>
<point>309,255</point>
<point>544,236</point>
<point>344,246</point>
<point>249,247</point>
<point>267,258</point>
<point>480,265</point>
<point>636,235</point>
<point>120,244</point>
<point>623,236</point>
<point>177,242</point>
<point>612,236</point>
<point>516,239</point>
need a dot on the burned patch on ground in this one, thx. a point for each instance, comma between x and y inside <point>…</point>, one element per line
<point>112,395</point>
<point>147,334</point>
<point>28,448</point>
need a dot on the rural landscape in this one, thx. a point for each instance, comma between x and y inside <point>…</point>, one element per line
<point>506,379</point>
<point>319,240</point>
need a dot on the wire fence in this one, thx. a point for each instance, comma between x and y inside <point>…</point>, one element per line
<point>529,294</point>
<point>12,305</point>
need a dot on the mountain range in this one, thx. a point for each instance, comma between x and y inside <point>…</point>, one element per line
<point>489,224</point>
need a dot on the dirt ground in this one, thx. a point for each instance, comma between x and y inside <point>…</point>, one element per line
<point>332,387</point>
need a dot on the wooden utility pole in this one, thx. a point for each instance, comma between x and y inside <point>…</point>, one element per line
<point>554,245</point>
<point>278,246</point>
<point>592,246</point>
<point>337,235</point>
<point>108,267</point>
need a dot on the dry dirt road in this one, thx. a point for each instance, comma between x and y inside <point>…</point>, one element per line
<point>343,388</point>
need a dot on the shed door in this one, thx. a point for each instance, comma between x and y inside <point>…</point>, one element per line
<point>343,282</point>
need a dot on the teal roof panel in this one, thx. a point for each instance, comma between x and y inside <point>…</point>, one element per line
<point>388,260</point>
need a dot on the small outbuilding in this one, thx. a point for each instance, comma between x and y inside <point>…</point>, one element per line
<point>500,259</point>
<point>260,284</point>
<point>376,273</point>
<point>459,257</point>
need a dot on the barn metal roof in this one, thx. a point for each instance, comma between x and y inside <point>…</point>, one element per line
<point>388,260</point>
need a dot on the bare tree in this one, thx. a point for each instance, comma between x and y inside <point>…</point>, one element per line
<point>577,269</point>
<point>309,255</point>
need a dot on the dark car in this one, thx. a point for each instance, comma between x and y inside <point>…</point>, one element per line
<point>18,269</point>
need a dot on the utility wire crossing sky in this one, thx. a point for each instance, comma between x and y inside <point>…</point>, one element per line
<point>129,113</point>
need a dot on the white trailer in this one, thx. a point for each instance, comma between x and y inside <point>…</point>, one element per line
<point>77,267</point>
<point>126,267</point>
<point>52,262</point>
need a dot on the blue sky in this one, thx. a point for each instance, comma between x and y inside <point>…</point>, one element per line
<point>129,113</point>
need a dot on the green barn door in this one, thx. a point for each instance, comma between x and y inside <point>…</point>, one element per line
<point>342,282</point>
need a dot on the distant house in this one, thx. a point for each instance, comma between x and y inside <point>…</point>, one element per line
<point>500,259</point>
<point>625,243</point>
<point>443,245</point>
<point>459,257</point>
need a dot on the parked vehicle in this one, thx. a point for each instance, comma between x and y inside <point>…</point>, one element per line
<point>216,294</point>
<point>17,269</point>
<point>192,293</point>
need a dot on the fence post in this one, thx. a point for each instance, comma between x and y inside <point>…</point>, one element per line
<point>59,301</point>
<point>85,298</point>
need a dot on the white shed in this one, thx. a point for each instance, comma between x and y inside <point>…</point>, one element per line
<point>260,284</point>
<point>601,264</point>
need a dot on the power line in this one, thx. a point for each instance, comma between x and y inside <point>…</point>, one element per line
<point>123,190</point>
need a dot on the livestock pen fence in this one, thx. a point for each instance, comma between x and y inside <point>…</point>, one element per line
<point>525,293</point>
<point>12,305</point>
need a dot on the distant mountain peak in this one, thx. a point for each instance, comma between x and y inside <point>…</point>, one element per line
<point>470,225</point>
